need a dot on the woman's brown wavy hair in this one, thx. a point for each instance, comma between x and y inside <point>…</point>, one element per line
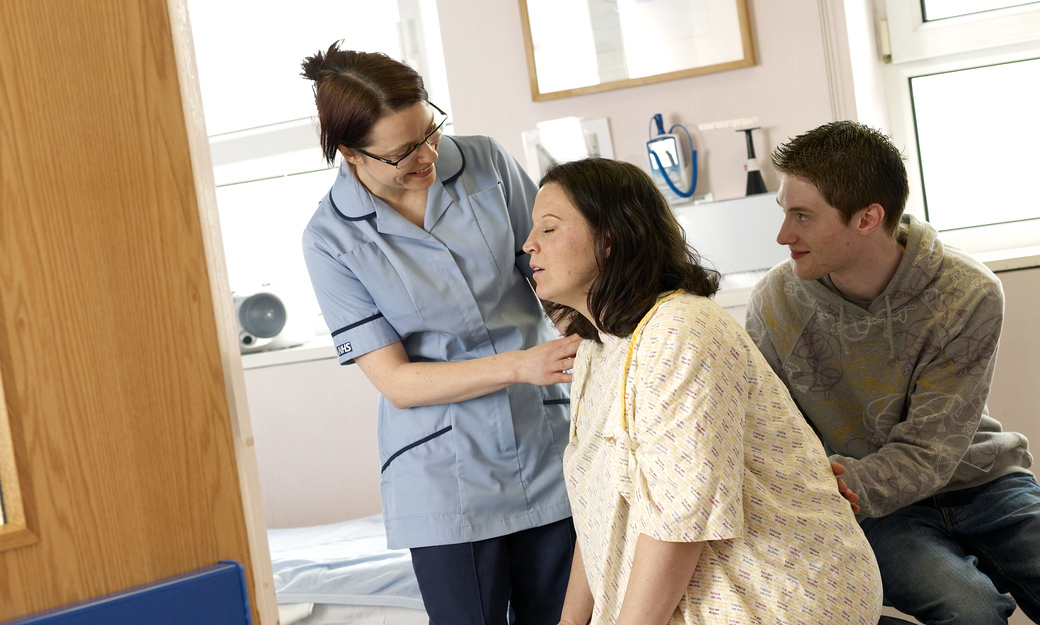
<point>640,248</point>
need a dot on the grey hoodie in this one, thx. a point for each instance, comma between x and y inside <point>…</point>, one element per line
<point>896,391</point>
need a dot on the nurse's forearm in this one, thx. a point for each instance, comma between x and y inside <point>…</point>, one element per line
<point>408,384</point>
<point>661,572</point>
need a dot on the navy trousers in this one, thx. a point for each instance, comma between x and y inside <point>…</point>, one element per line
<point>518,579</point>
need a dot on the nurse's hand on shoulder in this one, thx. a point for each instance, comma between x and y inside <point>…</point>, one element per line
<point>548,363</point>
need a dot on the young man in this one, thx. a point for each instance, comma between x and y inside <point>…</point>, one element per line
<point>887,341</point>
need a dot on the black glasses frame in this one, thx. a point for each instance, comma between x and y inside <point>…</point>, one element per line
<point>415,147</point>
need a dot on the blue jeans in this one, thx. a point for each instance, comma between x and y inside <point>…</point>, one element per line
<point>952,558</point>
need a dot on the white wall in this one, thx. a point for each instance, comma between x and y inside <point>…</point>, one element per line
<point>314,430</point>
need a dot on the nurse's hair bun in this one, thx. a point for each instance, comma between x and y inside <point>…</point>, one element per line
<point>315,67</point>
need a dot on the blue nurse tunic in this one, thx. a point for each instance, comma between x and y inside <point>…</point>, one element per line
<point>454,290</point>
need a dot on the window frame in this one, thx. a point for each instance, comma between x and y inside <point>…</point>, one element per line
<point>913,39</point>
<point>918,48</point>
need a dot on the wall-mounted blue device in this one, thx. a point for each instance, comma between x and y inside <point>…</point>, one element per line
<point>674,171</point>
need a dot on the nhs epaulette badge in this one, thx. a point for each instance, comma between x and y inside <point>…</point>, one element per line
<point>344,348</point>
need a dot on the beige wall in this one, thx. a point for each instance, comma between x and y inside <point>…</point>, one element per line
<point>1015,398</point>
<point>314,424</point>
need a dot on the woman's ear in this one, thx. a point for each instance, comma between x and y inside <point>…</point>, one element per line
<point>349,155</point>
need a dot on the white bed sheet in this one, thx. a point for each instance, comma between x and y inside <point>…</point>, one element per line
<point>328,614</point>
<point>290,613</point>
<point>342,564</point>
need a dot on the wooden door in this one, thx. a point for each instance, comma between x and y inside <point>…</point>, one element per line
<point>118,353</point>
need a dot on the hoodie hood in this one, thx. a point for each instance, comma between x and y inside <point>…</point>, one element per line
<point>919,267</point>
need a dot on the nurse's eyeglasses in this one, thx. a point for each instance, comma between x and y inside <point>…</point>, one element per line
<point>433,138</point>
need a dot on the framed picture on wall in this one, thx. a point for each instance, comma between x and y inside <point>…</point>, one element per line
<point>587,46</point>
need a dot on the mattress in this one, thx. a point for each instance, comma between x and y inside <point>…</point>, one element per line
<point>328,614</point>
<point>330,573</point>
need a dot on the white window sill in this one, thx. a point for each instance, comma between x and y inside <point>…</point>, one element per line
<point>1009,260</point>
<point>318,348</point>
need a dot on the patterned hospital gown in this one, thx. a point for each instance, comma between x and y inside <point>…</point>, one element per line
<point>718,452</point>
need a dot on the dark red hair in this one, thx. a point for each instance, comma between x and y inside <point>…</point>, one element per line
<point>353,90</point>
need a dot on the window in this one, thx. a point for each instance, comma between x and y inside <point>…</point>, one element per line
<point>962,89</point>
<point>977,151</point>
<point>260,115</point>
<point>249,52</point>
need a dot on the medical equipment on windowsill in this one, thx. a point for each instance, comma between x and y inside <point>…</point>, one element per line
<point>674,170</point>
<point>273,317</point>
